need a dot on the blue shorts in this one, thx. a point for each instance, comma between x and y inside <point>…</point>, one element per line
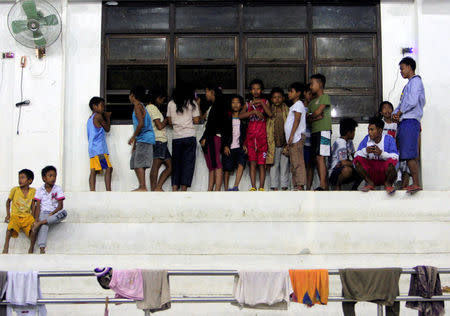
<point>160,151</point>
<point>408,139</point>
<point>307,154</point>
<point>237,157</point>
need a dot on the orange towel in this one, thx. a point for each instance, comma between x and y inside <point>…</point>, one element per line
<point>310,286</point>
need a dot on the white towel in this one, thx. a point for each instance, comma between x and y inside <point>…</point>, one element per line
<point>22,293</point>
<point>262,287</point>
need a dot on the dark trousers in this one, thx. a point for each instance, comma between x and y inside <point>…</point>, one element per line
<point>349,309</point>
<point>183,160</point>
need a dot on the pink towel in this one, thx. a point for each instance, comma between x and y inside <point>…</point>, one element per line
<point>128,284</point>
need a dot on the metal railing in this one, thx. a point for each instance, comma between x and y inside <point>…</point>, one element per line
<point>208,299</point>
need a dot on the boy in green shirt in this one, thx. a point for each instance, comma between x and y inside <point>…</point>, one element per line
<point>320,117</point>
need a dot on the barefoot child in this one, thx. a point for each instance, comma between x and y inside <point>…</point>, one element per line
<point>19,206</point>
<point>276,161</point>
<point>256,111</point>
<point>143,137</point>
<point>49,206</point>
<point>294,129</point>
<point>97,125</point>
<point>234,152</point>
<point>161,154</point>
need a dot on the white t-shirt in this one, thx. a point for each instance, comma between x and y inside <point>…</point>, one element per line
<point>182,122</point>
<point>390,129</point>
<point>236,132</point>
<point>49,201</point>
<point>153,111</point>
<point>342,150</point>
<point>300,108</point>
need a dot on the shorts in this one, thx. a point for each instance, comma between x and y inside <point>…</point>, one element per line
<point>100,162</point>
<point>408,139</point>
<point>17,222</point>
<point>376,169</point>
<point>142,156</point>
<point>256,143</point>
<point>320,144</point>
<point>307,154</point>
<point>209,155</point>
<point>161,151</point>
<point>336,172</point>
<point>237,157</point>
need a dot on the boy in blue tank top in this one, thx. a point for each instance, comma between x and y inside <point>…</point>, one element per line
<point>143,137</point>
<point>99,123</point>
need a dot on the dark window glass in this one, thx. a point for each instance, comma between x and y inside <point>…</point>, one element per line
<point>348,76</point>
<point>137,48</point>
<point>206,18</point>
<point>276,76</point>
<point>346,48</point>
<point>125,77</point>
<point>275,48</point>
<point>200,76</point>
<point>208,48</point>
<point>357,106</point>
<point>275,17</point>
<point>135,19</point>
<point>344,17</point>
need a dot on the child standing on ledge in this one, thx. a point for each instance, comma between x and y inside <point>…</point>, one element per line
<point>256,110</point>
<point>97,125</point>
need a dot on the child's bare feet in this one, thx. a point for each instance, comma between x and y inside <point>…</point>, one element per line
<point>158,189</point>
<point>140,190</point>
<point>30,250</point>
<point>42,250</point>
<point>5,250</point>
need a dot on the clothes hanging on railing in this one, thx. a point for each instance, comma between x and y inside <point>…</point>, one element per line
<point>156,291</point>
<point>106,313</point>
<point>426,283</point>
<point>128,284</point>
<point>3,284</point>
<point>310,286</point>
<point>22,292</point>
<point>104,276</point>
<point>371,285</point>
<point>262,287</point>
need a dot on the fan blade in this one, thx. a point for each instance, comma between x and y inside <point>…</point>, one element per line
<point>29,7</point>
<point>49,20</point>
<point>39,39</point>
<point>19,26</point>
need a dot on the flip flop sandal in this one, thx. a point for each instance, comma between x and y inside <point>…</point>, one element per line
<point>367,188</point>
<point>413,189</point>
<point>390,190</point>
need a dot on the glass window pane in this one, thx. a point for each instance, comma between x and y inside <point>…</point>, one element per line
<point>125,77</point>
<point>206,48</point>
<point>200,76</point>
<point>356,106</point>
<point>348,48</point>
<point>127,19</point>
<point>137,48</point>
<point>344,17</point>
<point>275,17</point>
<point>207,18</point>
<point>348,77</point>
<point>276,76</point>
<point>275,48</point>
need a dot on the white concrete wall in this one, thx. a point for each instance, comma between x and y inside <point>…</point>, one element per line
<point>40,139</point>
<point>434,58</point>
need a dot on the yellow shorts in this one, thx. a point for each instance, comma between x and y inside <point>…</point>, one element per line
<point>17,222</point>
<point>100,162</point>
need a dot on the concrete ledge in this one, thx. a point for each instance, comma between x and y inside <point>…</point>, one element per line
<point>168,207</point>
<point>245,238</point>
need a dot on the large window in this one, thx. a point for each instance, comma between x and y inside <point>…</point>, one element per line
<point>164,44</point>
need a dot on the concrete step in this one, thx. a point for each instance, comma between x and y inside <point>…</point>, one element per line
<point>168,207</point>
<point>245,238</point>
